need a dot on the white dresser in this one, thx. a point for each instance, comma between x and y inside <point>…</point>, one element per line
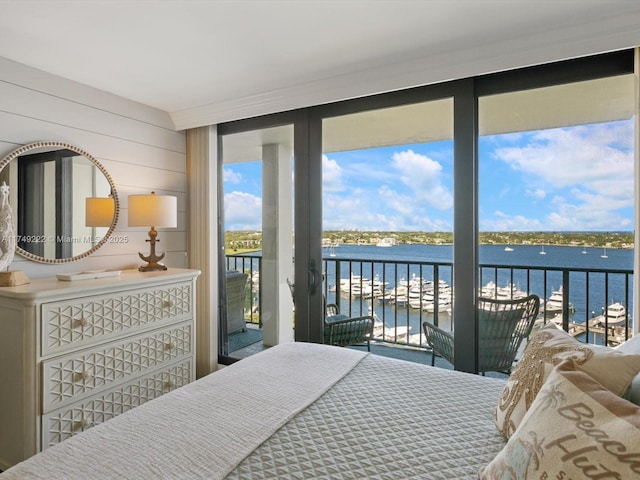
<point>75,354</point>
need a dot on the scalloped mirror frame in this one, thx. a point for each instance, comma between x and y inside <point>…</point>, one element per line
<point>116,212</point>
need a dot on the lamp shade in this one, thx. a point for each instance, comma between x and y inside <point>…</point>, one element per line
<point>99,211</point>
<point>153,210</point>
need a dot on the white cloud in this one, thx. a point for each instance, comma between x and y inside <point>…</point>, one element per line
<point>242,211</point>
<point>424,177</point>
<point>405,194</point>
<point>537,193</point>
<point>584,155</point>
<point>501,222</point>
<point>231,176</point>
<point>332,175</point>
<point>586,172</point>
<point>587,211</point>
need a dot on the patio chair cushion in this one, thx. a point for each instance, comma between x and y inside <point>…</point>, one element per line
<point>575,428</point>
<point>548,348</point>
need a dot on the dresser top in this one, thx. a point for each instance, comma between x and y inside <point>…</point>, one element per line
<point>44,288</point>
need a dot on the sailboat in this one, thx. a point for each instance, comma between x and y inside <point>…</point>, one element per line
<point>542,252</point>
<point>604,253</point>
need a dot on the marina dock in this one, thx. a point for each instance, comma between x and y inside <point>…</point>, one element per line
<point>615,334</point>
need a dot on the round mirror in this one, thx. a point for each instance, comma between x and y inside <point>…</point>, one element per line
<point>65,204</point>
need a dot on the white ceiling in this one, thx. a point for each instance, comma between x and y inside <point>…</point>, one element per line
<point>211,61</point>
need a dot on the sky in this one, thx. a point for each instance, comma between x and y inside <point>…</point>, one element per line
<point>576,178</point>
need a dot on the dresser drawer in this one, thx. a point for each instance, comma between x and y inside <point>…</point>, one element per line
<point>72,324</point>
<point>71,377</point>
<point>66,422</point>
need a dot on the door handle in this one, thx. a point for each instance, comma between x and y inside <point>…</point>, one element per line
<point>313,277</point>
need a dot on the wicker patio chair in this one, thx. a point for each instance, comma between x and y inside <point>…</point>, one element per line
<point>342,330</point>
<point>236,295</point>
<point>502,326</point>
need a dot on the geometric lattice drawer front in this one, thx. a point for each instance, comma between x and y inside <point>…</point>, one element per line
<point>80,374</point>
<point>66,422</point>
<point>92,319</point>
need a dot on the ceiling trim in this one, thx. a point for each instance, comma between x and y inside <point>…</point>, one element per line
<point>609,34</point>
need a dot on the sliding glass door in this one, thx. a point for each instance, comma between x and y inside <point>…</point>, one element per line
<point>258,243</point>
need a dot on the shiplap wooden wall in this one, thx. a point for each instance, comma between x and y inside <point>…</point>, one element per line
<point>136,144</point>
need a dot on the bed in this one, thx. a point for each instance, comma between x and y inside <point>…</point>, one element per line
<point>297,410</point>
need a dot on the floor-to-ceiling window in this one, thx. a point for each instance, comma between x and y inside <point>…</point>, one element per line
<point>470,103</point>
<point>387,181</point>
<point>556,191</point>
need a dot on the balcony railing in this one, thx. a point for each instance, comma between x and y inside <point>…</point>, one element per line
<point>252,265</point>
<point>401,295</point>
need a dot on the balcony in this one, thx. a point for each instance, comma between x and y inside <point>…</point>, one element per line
<point>401,295</point>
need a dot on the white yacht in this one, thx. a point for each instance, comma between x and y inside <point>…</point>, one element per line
<point>616,313</point>
<point>554,304</point>
<point>444,305</point>
<point>386,242</point>
<point>489,290</point>
<point>510,292</point>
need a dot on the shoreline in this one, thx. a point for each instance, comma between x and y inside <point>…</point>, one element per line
<point>248,241</point>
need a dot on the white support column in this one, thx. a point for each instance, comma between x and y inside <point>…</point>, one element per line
<point>277,245</point>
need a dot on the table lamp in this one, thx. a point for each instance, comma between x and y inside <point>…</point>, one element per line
<point>99,211</point>
<point>152,211</point>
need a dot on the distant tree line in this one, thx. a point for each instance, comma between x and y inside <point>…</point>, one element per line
<point>252,240</point>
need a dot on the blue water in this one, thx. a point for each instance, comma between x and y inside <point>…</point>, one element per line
<point>619,287</point>
<point>556,256</point>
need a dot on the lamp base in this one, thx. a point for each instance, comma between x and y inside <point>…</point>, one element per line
<point>152,267</point>
<point>153,259</point>
<point>152,262</point>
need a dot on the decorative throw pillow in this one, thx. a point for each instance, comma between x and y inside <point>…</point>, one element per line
<point>575,428</point>
<point>548,348</point>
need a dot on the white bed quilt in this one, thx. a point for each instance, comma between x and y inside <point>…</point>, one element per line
<point>294,411</point>
<point>387,419</point>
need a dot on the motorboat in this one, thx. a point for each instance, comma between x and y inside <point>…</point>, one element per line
<point>553,305</point>
<point>444,305</point>
<point>510,292</point>
<point>489,290</point>
<point>615,314</point>
<point>358,286</point>
<point>554,302</point>
<point>386,242</point>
